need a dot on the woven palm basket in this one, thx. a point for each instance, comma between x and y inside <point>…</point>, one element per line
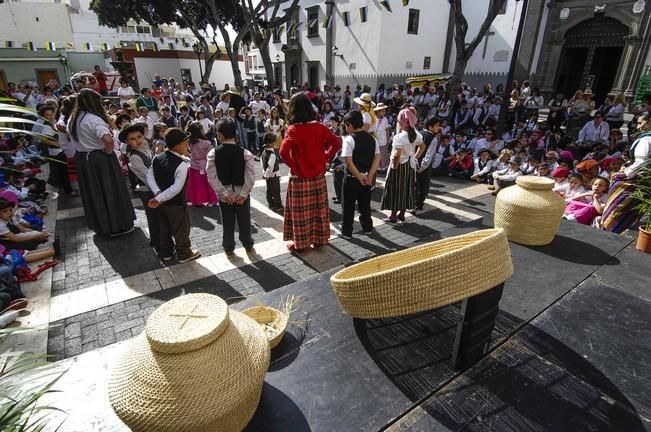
<point>530,212</point>
<point>198,366</point>
<point>272,321</point>
<point>424,277</point>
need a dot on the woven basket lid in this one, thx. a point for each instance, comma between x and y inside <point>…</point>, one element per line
<point>535,182</point>
<point>187,323</point>
<point>198,366</point>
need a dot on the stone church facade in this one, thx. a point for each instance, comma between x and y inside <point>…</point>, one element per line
<point>574,44</point>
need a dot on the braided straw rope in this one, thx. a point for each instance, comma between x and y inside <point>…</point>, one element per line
<point>424,277</point>
<point>529,212</point>
<point>197,367</point>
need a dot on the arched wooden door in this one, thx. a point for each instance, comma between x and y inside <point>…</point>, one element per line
<point>591,56</point>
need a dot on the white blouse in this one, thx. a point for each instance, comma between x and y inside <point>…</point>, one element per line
<point>407,148</point>
<point>90,130</point>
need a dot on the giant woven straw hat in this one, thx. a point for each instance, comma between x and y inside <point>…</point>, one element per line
<point>198,366</point>
<point>424,277</point>
<point>529,212</point>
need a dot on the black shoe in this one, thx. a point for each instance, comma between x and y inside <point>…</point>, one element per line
<point>193,256</point>
<point>57,246</point>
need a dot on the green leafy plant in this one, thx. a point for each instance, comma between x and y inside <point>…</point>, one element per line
<point>16,119</point>
<point>642,193</point>
<point>24,380</point>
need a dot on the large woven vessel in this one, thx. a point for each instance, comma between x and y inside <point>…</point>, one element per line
<point>424,277</point>
<point>198,366</point>
<point>530,212</point>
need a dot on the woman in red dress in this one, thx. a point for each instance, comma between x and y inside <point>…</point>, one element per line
<point>306,149</point>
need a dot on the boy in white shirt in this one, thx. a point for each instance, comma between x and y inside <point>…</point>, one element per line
<point>361,155</point>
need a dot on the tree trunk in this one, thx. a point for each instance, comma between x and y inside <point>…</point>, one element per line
<point>454,84</point>
<point>233,52</point>
<point>268,64</point>
<point>209,61</point>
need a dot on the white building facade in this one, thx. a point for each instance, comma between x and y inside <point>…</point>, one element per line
<point>370,44</point>
<point>79,43</point>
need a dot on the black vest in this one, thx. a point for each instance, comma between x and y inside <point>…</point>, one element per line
<point>164,166</point>
<point>265,160</point>
<point>146,160</point>
<point>364,151</point>
<point>428,139</point>
<point>229,161</point>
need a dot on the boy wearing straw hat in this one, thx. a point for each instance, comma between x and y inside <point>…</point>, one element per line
<point>140,158</point>
<point>167,179</point>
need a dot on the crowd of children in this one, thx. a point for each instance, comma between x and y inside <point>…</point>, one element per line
<point>23,236</point>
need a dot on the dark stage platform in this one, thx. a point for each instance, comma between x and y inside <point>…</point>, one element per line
<point>570,352</point>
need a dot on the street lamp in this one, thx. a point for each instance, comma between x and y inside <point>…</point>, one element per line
<point>198,49</point>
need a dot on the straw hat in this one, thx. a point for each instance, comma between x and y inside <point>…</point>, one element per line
<point>364,99</point>
<point>198,366</point>
<point>380,107</point>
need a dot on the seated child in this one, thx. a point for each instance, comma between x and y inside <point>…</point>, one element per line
<point>562,183</point>
<point>483,167</point>
<point>13,235</point>
<point>609,166</point>
<point>542,170</point>
<point>506,177</point>
<point>585,207</point>
<point>462,164</point>
<point>576,186</point>
<point>502,161</point>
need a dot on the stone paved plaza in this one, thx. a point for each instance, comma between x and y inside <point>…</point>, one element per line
<point>104,289</point>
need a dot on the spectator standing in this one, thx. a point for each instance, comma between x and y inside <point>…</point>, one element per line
<point>106,201</point>
<point>100,77</point>
<point>361,155</point>
<point>231,173</point>
<point>400,188</point>
<point>306,149</point>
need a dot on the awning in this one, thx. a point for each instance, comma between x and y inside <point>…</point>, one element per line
<point>419,81</point>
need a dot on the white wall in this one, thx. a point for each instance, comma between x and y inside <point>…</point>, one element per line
<point>380,47</point>
<point>500,45</point>
<point>397,47</point>
<point>147,67</point>
<point>36,22</point>
<point>221,71</point>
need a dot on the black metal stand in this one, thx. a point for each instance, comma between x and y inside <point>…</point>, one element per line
<point>475,327</point>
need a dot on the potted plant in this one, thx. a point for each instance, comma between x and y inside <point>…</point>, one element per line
<point>642,194</point>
